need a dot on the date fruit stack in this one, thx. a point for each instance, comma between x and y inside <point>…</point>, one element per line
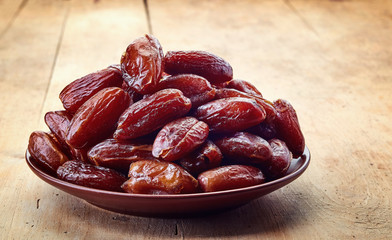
<point>171,123</point>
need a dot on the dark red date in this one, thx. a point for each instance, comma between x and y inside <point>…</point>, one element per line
<point>119,154</point>
<point>213,68</point>
<point>194,87</point>
<point>152,113</point>
<point>230,177</point>
<point>287,127</point>
<point>96,119</point>
<point>245,148</point>
<point>179,137</point>
<point>82,89</point>
<point>46,151</point>
<point>154,177</point>
<point>244,86</point>
<point>280,161</point>
<point>142,64</point>
<point>206,157</point>
<point>230,114</point>
<point>88,175</point>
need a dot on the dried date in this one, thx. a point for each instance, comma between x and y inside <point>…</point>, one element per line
<point>206,157</point>
<point>179,137</point>
<point>280,161</point>
<point>46,151</point>
<point>215,69</point>
<point>82,89</point>
<point>244,86</point>
<point>230,177</point>
<point>287,127</point>
<point>142,64</point>
<point>194,87</point>
<point>154,177</point>
<point>152,113</point>
<point>119,155</point>
<point>245,148</point>
<point>230,114</point>
<point>96,118</point>
<point>88,175</point>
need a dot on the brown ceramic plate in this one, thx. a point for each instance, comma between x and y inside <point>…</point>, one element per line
<point>172,205</point>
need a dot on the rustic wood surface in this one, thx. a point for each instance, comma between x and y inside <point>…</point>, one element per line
<point>331,59</point>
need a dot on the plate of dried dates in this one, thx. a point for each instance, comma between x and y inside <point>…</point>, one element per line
<point>167,135</point>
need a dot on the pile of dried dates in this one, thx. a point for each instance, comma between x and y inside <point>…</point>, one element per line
<point>167,124</point>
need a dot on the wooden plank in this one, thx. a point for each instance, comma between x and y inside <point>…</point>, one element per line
<point>27,52</point>
<point>330,60</point>
<point>10,10</point>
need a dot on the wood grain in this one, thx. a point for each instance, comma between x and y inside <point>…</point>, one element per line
<point>330,59</point>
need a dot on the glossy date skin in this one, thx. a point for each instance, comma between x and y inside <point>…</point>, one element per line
<point>88,175</point>
<point>155,177</point>
<point>119,155</point>
<point>245,148</point>
<point>141,64</point>
<point>243,86</point>
<point>213,68</point>
<point>96,119</point>
<point>206,157</point>
<point>288,128</point>
<point>152,113</point>
<point>58,123</point>
<point>179,137</point>
<point>268,106</point>
<point>194,87</point>
<point>230,114</point>
<point>46,151</point>
<point>230,177</point>
<point>280,161</point>
<point>79,91</point>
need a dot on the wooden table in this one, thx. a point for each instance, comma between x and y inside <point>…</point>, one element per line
<point>331,59</point>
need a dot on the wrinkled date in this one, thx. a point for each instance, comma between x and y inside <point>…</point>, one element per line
<point>88,175</point>
<point>154,177</point>
<point>230,177</point>
<point>194,87</point>
<point>206,157</point>
<point>178,138</point>
<point>287,127</point>
<point>96,119</point>
<point>46,151</point>
<point>230,114</point>
<point>213,68</point>
<point>151,113</point>
<point>175,123</point>
<point>142,64</point>
<point>245,148</point>
<point>119,154</point>
<point>80,90</point>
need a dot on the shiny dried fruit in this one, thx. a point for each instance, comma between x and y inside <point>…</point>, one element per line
<point>142,64</point>
<point>244,148</point>
<point>266,130</point>
<point>206,157</point>
<point>154,177</point>
<point>152,113</point>
<point>213,68</point>
<point>230,114</point>
<point>179,137</point>
<point>88,175</point>
<point>46,151</point>
<point>267,105</point>
<point>244,86</point>
<point>119,154</point>
<point>287,127</point>
<point>230,177</point>
<point>82,89</point>
<point>58,123</point>
<point>194,87</point>
<point>280,161</point>
<point>96,118</point>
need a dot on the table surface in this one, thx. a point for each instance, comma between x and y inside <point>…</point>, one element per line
<point>331,59</point>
